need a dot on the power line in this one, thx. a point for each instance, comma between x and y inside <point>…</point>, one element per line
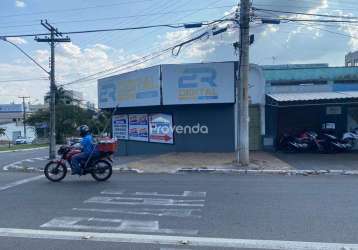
<point>174,26</point>
<point>74,9</point>
<point>119,17</point>
<point>25,53</point>
<point>25,80</point>
<point>303,13</point>
<point>136,62</point>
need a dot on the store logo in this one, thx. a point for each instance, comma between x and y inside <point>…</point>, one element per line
<point>198,84</point>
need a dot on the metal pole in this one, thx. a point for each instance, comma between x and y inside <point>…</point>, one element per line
<point>52,152</point>
<point>243,155</point>
<point>24,113</point>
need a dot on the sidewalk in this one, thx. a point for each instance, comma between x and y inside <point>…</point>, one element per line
<point>172,162</point>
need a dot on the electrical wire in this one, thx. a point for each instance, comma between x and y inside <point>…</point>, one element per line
<point>303,13</point>
<point>116,17</point>
<point>136,62</point>
<point>174,26</point>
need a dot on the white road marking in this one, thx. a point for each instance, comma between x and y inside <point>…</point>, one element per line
<point>118,225</point>
<point>173,212</point>
<point>17,163</point>
<point>144,201</point>
<point>12,165</point>
<point>174,240</point>
<point>20,182</point>
<point>185,193</point>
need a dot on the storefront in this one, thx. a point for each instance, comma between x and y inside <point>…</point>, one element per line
<point>180,108</point>
<point>310,98</point>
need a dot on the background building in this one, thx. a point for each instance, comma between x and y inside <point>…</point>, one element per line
<point>300,97</point>
<point>11,118</point>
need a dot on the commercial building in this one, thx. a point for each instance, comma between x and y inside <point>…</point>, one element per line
<point>300,97</point>
<point>11,113</point>
<point>181,108</point>
<point>11,119</point>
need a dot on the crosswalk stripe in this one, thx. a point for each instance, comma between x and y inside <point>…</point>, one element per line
<point>134,201</point>
<point>184,194</point>
<point>170,212</point>
<point>116,225</point>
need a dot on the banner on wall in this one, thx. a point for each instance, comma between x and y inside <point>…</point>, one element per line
<point>132,89</point>
<point>138,127</point>
<point>198,83</point>
<point>161,128</point>
<point>120,127</point>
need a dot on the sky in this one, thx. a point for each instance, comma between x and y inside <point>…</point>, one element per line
<point>87,54</point>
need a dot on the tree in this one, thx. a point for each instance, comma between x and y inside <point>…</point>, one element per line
<point>2,131</point>
<point>68,117</point>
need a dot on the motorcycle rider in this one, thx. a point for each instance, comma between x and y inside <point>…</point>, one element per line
<point>88,149</point>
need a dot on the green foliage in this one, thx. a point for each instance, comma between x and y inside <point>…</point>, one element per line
<point>69,117</point>
<point>2,131</point>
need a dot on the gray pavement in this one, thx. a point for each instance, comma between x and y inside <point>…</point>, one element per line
<point>341,161</point>
<point>285,208</point>
<point>29,158</point>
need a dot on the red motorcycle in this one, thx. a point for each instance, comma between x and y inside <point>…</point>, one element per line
<point>98,165</point>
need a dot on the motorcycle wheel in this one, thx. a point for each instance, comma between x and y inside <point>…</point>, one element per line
<point>102,170</point>
<point>55,171</point>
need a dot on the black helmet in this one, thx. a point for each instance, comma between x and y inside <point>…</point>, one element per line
<point>84,130</point>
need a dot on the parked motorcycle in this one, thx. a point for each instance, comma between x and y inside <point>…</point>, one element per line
<point>332,144</point>
<point>351,137</point>
<point>100,167</point>
<point>305,142</point>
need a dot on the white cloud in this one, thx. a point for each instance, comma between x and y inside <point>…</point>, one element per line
<point>17,40</point>
<point>20,4</point>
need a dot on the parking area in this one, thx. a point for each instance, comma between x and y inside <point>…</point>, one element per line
<point>341,161</point>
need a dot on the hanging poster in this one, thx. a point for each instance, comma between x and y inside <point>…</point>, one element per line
<point>161,128</point>
<point>138,127</point>
<point>120,127</point>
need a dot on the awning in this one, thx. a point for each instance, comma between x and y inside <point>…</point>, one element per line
<point>313,96</point>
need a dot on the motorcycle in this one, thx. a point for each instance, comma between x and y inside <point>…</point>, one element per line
<point>351,137</point>
<point>331,143</point>
<point>306,141</point>
<point>99,166</point>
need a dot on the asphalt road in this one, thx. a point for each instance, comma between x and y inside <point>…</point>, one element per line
<point>283,208</point>
<point>29,158</point>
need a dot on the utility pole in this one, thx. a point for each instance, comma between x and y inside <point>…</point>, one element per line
<point>24,113</point>
<point>243,125</point>
<point>55,37</point>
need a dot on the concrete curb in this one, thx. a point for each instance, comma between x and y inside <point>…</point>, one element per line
<point>20,150</point>
<point>305,172</point>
